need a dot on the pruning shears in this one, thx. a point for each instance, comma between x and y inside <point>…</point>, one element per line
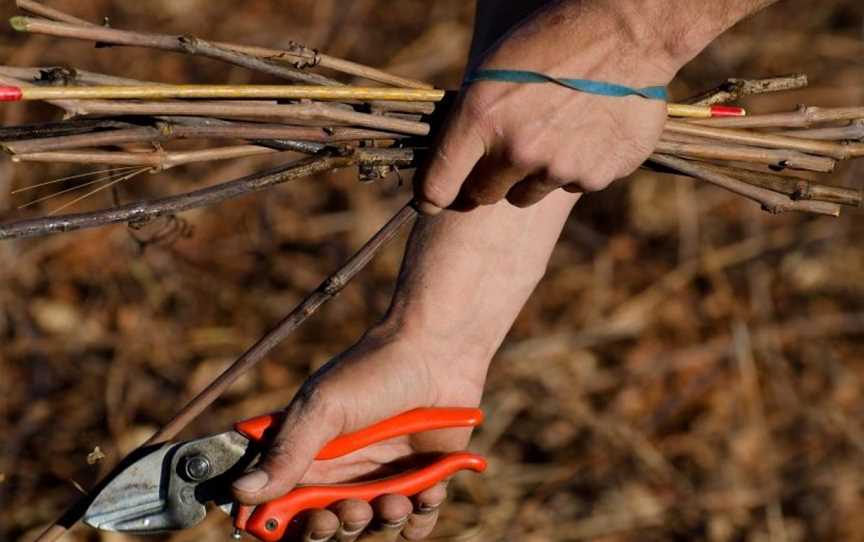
<point>168,488</point>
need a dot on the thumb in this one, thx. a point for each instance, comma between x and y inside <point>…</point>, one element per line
<point>458,149</point>
<point>308,425</point>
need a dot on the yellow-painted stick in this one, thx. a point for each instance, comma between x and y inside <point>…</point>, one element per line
<point>285,92</point>
<point>159,92</point>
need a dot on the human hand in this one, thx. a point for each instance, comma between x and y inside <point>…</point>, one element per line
<point>378,378</point>
<point>523,141</point>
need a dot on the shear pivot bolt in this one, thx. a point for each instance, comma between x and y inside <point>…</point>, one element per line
<point>197,468</point>
<point>271,524</point>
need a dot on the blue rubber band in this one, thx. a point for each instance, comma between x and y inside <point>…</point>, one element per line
<point>601,88</point>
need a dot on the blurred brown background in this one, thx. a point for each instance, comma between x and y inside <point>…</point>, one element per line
<point>690,369</point>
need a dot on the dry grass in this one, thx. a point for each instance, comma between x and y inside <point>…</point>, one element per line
<point>690,368</point>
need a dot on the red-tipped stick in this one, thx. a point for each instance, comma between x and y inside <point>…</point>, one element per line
<point>11,94</point>
<point>727,111</point>
<point>705,111</point>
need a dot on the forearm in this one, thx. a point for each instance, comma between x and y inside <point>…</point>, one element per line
<point>466,276</point>
<point>675,29</point>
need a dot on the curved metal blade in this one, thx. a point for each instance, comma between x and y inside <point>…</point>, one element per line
<point>156,494</point>
<point>135,500</point>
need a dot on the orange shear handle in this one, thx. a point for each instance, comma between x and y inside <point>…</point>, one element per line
<point>270,520</point>
<point>407,423</point>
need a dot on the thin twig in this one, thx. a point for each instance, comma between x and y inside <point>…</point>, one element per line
<point>757,168</point>
<point>326,291</point>
<point>296,54</point>
<point>312,112</point>
<point>158,160</point>
<point>189,45</point>
<point>197,46</point>
<point>770,141</point>
<point>165,131</point>
<point>770,201</point>
<point>142,211</point>
<point>67,128</point>
<point>734,89</point>
<point>79,141</point>
<point>795,188</point>
<point>773,157</point>
<point>178,44</point>
<point>804,117</point>
<point>854,131</point>
<point>61,75</point>
<point>55,14</point>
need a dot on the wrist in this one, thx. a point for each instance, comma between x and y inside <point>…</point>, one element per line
<point>591,39</point>
<point>454,361</point>
<point>643,41</point>
<point>448,333</point>
<point>641,34</point>
<point>673,32</point>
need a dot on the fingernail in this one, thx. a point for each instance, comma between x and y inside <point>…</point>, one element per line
<point>254,481</point>
<point>398,524</point>
<point>428,209</point>
<point>427,508</point>
<point>351,528</point>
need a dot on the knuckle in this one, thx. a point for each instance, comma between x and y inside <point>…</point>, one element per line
<point>596,181</point>
<point>562,170</point>
<point>432,498</point>
<point>438,190</point>
<point>547,183</point>
<point>483,194</point>
<point>518,199</point>
<point>523,157</point>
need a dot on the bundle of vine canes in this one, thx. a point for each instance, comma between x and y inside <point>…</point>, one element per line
<point>771,159</point>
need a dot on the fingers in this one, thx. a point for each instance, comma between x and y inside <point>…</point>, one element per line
<point>321,525</point>
<point>531,190</point>
<point>396,515</point>
<point>393,509</point>
<point>309,424</point>
<point>457,151</point>
<point>491,180</point>
<point>391,513</point>
<point>354,516</point>
<point>422,521</point>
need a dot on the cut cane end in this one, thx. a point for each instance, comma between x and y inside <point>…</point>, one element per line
<point>19,23</point>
